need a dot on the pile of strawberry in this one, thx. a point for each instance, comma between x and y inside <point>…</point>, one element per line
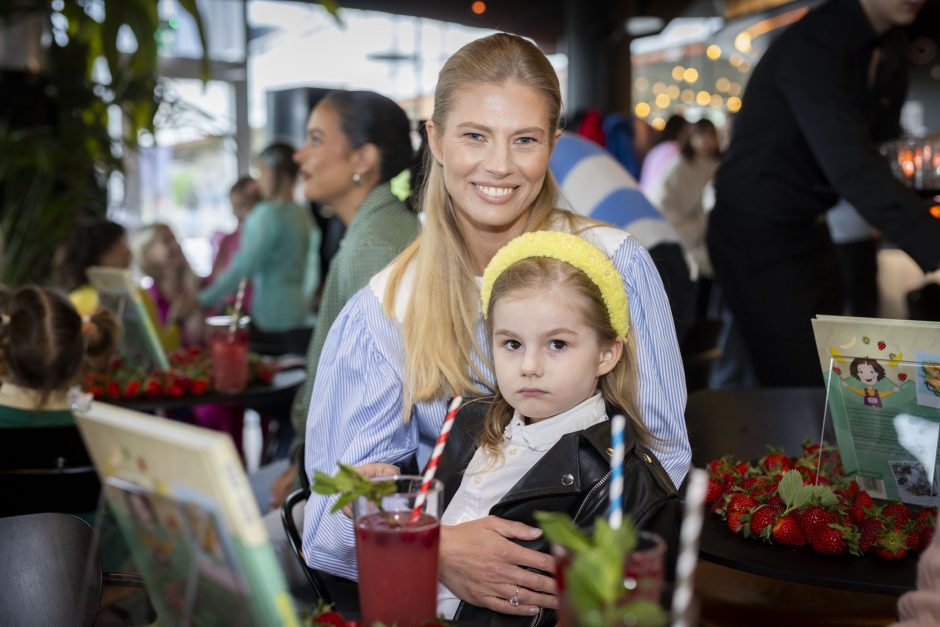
<point>325,616</point>
<point>190,374</point>
<point>808,500</point>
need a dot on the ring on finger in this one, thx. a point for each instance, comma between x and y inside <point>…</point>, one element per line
<point>514,599</point>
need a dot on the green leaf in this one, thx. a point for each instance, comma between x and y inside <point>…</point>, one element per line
<point>823,495</point>
<point>350,485</point>
<point>560,529</point>
<point>790,486</point>
<point>803,497</point>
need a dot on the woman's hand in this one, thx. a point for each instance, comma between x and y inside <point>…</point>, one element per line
<point>481,565</point>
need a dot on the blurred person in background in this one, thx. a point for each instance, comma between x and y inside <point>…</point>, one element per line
<point>663,154</point>
<point>680,196</point>
<point>357,141</point>
<point>827,90</point>
<point>159,256</point>
<point>279,250</point>
<point>244,195</point>
<point>94,242</point>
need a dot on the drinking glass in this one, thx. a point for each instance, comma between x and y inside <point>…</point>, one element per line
<point>397,556</point>
<point>229,349</point>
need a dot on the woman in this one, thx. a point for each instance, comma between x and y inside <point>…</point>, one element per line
<point>357,141</point>
<point>414,336</point>
<point>275,250</point>
<point>243,196</point>
<point>95,242</point>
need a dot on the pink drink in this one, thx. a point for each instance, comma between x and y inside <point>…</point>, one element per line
<point>229,350</point>
<point>646,568</point>
<point>397,568</point>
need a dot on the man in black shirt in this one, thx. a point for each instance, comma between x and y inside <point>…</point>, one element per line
<point>821,98</point>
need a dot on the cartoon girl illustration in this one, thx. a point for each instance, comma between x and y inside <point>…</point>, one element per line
<point>869,372</point>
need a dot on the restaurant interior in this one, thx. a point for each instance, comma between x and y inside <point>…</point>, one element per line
<point>159,475</point>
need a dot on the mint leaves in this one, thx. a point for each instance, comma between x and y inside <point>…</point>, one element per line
<point>350,485</point>
<point>594,578</point>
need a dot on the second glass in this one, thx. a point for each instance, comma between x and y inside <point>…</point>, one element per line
<point>229,349</point>
<point>397,557</point>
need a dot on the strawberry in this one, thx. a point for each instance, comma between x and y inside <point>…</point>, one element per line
<point>862,503</point>
<point>741,502</point>
<point>132,389</point>
<point>776,463</point>
<point>835,540</point>
<point>891,545</point>
<point>787,531</point>
<point>199,387</point>
<point>777,504</point>
<point>737,521</point>
<point>869,529</point>
<point>923,538</point>
<point>814,518</point>
<point>761,519</point>
<point>926,516</point>
<point>714,490</point>
<point>329,618</point>
<point>175,390</point>
<point>153,389</point>
<point>741,468</point>
<point>897,512</point>
<point>113,389</point>
<point>95,390</point>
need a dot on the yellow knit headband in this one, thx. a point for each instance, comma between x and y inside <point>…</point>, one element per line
<point>572,250</point>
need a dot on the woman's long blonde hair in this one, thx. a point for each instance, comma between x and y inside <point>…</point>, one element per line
<point>442,355</point>
<point>545,275</point>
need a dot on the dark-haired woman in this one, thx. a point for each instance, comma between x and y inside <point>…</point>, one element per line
<point>94,242</point>
<point>277,237</point>
<point>44,347</point>
<point>357,141</point>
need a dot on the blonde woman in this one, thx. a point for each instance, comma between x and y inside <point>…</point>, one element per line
<point>415,336</point>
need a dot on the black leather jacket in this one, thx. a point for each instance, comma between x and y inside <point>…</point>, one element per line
<point>571,477</point>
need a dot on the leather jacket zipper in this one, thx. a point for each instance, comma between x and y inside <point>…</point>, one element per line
<point>597,486</point>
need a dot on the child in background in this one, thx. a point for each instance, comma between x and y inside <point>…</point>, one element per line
<point>564,360</point>
<point>44,346</point>
<point>175,285</point>
<point>94,242</point>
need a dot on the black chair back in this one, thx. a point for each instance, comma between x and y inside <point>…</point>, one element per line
<point>46,469</point>
<point>298,497</point>
<point>43,564</point>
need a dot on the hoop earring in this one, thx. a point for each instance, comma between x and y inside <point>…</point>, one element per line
<point>357,179</point>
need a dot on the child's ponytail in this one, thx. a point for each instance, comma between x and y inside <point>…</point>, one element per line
<point>101,335</point>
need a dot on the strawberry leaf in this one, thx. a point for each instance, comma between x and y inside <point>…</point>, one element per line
<point>790,486</point>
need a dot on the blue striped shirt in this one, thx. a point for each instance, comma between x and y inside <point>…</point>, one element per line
<point>355,411</point>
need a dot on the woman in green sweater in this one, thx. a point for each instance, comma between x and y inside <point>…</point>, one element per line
<point>44,347</point>
<point>279,250</point>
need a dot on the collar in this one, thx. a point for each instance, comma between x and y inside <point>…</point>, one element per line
<point>856,23</point>
<point>19,397</point>
<point>544,434</point>
<point>380,197</point>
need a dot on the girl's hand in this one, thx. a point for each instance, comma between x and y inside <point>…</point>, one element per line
<point>481,565</point>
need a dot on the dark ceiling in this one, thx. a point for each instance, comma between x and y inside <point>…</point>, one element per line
<point>541,20</point>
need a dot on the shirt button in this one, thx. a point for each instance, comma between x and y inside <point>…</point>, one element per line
<point>478,480</point>
<point>513,450</point>
<point>567,479</point>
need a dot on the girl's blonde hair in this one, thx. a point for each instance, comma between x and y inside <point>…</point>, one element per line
<point>545,275</point>
<point>442,355</point>
<point>185,280</point>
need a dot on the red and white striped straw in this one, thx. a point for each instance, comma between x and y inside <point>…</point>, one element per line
<point>435,457</point>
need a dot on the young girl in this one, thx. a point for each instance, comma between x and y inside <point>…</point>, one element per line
<point>44,346</point>
<point>564,360</point>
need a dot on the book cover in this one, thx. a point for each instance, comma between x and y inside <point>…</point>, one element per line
<point>184,505</point>
<point>884,397</point>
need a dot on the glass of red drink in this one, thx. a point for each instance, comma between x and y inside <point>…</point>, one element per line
<point>643,575</point>
<point>228,346</point>
<point>397,554</point>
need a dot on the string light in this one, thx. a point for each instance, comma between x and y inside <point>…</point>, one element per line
<point>722,84</point>
<point>662,101</point>
<point>713,52</point>
<point>659,124</point>
<point>703,98</point>
<point>641,84</point>
<point>478,7</point>
<point>641,109</point>
<point>677,72</point>
<point>734,104</point>
<point>690,75</point>
<point>659,87</point>
<point>672,91</point>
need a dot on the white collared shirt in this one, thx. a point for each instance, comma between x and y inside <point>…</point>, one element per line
<point>486,480</point>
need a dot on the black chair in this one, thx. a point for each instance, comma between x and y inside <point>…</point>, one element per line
<point>298,497</point>
<point>700,350</point>
<point>48,470</point>
<point>43,561</point>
